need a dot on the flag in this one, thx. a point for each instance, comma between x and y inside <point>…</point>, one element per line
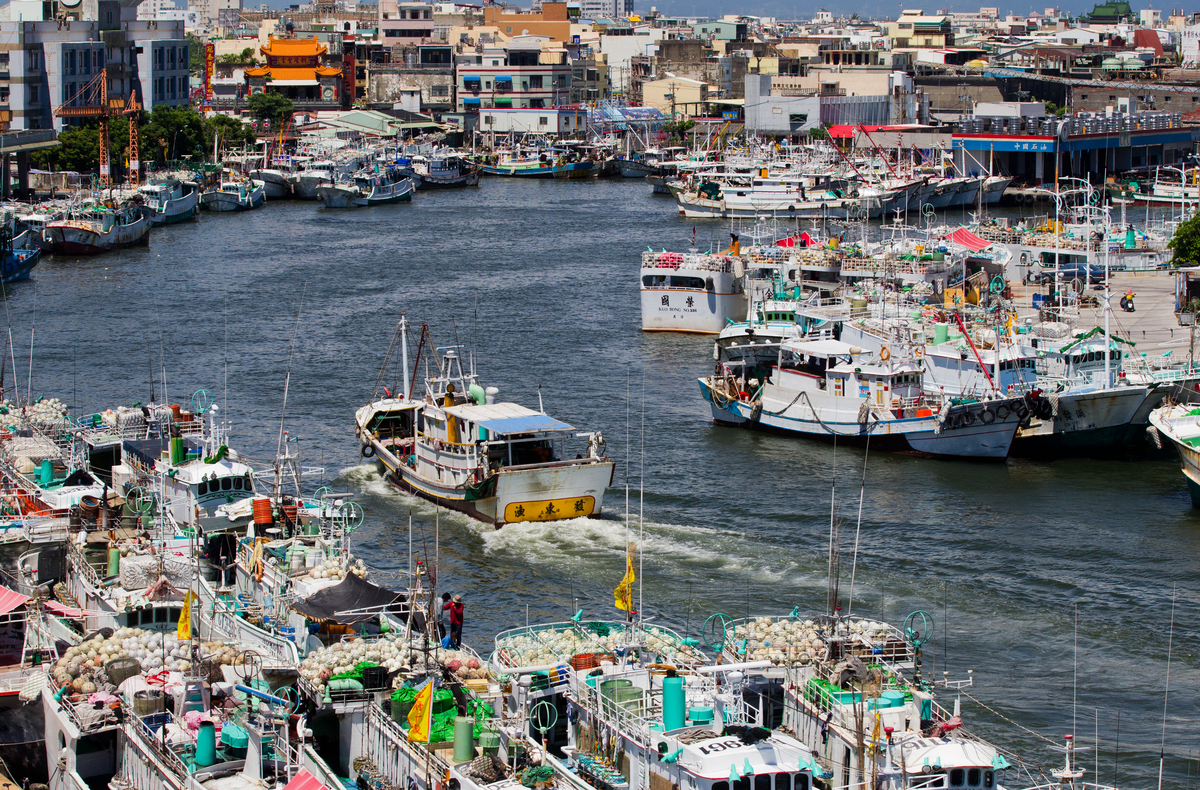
<point>184,629</point>
<point>421,716</point>
<point>623,595</point>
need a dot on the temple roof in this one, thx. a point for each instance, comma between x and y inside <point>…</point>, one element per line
<point>294,47</point>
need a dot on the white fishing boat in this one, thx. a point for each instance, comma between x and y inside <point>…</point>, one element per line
<point>239,195</point>
<point>497,462</point>
<point>827,389</point>
<point>276,183</point>
<point>170,202</point>
<point>993,188</point>
<point>367,188</point>
<point>96,229</point>
<point>1179,424</point>
<point>786,198</point>
<point>692,291</point>
<point>310,177</point>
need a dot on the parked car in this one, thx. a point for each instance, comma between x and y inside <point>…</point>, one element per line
<point>1073,275</point>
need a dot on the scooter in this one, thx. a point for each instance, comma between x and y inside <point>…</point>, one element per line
<point>1127,302</point>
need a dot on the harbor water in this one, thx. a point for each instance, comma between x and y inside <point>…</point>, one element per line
<point>1052,582</point>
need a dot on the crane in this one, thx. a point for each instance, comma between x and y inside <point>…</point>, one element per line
<point>95,103</point>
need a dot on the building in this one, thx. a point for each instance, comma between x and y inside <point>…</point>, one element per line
<point>423,74</point>
<point>48,64</point>
<point>209,12</point>
<point>1110,13</point>
<point>552,21</point>
<point>676,96</point>
<point>523,75</point>
<point>915,29</point>
<point>779,111</point>
<point>405,24</point>
<point>589,80</point>
<point>721,31</point>
<point>559,122</point>
<point>294,70</point>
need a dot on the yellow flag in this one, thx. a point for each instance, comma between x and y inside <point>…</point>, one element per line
<point>623,595</point>
<point>184,629</point>
<point>419,716</point>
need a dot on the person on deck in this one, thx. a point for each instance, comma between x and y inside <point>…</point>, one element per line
<point>455,607</point>
<point>442,616</point>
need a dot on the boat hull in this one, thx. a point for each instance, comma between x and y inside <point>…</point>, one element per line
<point>80,240</point>
<point>19,264</point>
<point>1106,421</point>
<point>306,187</point>
<point>466,180</point>
<point>919,435</point>
<point>227,201</point>
<point>337,197</point>
<point>275,184</point>
<point>542,492</point>
<point>572,170</point>
<point>686,310</point>
<point>1189,455</point>
<point>634,169</point>
<point>176,210</point>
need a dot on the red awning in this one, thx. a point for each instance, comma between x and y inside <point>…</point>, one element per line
<point>969,240</point>
<point>56,608</point>
<point>304,781</point>
<point>10,600</point>
<point>845,131</point>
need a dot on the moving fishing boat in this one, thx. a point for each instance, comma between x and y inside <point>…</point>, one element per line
<point>368,188</point>
<point>170,202</point>
<point>498,462</point>
<point>240,195</point>
<point>95,229</point>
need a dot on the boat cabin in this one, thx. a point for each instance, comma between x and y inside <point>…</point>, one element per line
<point>957,370</point>
<point>832,367</point>
<point>1083,361</point>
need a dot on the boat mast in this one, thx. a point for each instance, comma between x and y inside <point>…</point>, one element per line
<point>404,351</point>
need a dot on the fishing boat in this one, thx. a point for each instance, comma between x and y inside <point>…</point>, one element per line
<point>786,198</point>
<point>170,202</point>
<point>541,164</point>
<point>95,229</point>
<point>498,462</point>
<point>276,183</point>
<point>827,389</point>
<point>443,171</point>
<point>16,264</point>
<point>692,291</point>
<point>368,188</point>
<point>1179,424</point>
<point>239,195</point>
<point>310,176</point>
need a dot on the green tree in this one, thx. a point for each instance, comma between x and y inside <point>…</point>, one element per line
<point>79,148</point>
<point>229,60</point>
<point>272,107</point>
<point>1054,109</point>
<point>196,50</point>
<point>172,132</point>
<point>230,130</point>
<point>248,55</point>
<point>1185,244</point>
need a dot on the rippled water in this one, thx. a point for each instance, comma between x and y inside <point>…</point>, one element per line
<point>1005,556</point>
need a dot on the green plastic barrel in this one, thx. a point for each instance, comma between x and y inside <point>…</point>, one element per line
<point>674,704</point>
<point>895,698</point>
<point>699,716</point>
<point>177,452</point>
<point>941,333</point>
<point>464,739</point>
<point>206,744</point>
<point>114,562</point>
<point>489,742</point>
<point>1130,239</point>
<point>608,686</point>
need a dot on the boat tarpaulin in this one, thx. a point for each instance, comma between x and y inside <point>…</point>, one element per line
<point>346,601</point>
<point>506,419</point>
<point>968,239</point>
<point>304,781</point>
<point>62,610</point>
<point>10,599</point>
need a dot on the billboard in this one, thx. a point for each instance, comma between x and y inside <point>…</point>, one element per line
<point>210,60</point>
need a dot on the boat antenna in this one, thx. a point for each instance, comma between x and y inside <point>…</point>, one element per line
<point>287,379</point>
<point>32,329</point>
<point>225,358</point>
<point>858,529</point>
<point>832,587</point>
<point>1117,749</point>
<point>474,334</point>
<point>1167,690</point>
<point>628,467</point>
<point>1075,675</point>
<point>642,501</point>
<point>12,352</point>
<point>150,366</point>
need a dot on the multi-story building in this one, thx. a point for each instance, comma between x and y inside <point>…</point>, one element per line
<point>48,64</point>
<point>915,29</point>
<point>552,21</point>
<point>209,12</point>
<point>424,74</point>
<point>295,69</point>
<point>404,24</point>
<point>523,75</point>
<point>589,80</point>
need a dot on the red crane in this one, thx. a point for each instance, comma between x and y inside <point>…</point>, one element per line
<point>96,103</point>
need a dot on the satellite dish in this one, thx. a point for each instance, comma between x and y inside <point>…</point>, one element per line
<point>70,3</point>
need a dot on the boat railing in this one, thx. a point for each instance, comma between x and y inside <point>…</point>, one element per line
<point>386,737</point>
<point>631,717</point>
<point>141,732</point>
<point>687,260</point>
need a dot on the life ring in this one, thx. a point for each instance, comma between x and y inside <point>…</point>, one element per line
<point>1021,410</point>
<point>987,416</point>
<point>919,351</point>
<point>885,353</point>
<point>367,451</point>
<point>1002,412</point>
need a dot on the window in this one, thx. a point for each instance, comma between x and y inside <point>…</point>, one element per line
<point>904,26</point>
<point>782,781</point>
<point>956,777</point>
<point>987,775</point>
<point>202,489</point>
<point>426,14</point>
<point>543,120</point>
<point>1112,97</point>
<point>440,91</point>
<point>535,81</point>
<point>720,786</point>
<point>742,784</point>
<point>929,42</point>
<point>226,483</point>
<point>762,782</point>
<point>537,104</point>
<point>974,777</point>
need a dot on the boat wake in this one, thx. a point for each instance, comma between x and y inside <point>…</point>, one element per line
<point>679,549</point>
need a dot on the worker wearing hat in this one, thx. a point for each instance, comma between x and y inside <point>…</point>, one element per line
<point>455,607</point>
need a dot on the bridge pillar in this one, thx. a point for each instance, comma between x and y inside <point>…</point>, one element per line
<point>23,175</point>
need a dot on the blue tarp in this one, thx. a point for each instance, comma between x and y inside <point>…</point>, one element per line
<point>506,426</point>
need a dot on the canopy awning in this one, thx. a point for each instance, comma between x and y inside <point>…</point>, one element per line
<point>503,78</point>
<point>304,781</point>
<point>508,418</point>
<point>471,78</point>
<point>11,599</point>
<point>504,102</point>
<point>350,601</point>
<point>968,239</point>
<point>471,100</point>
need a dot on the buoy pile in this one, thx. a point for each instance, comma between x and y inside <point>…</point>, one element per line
<point>82,666</point>
<point>338,567</point>
<point>390,652</point>
<point>559,644</point>
<point>799,641</point>
<point>45,411</point>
